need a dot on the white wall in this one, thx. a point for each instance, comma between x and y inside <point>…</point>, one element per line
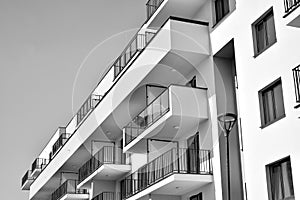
<point>263,146</point>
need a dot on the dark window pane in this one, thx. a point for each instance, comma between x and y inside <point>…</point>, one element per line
<point>260,34</point>
<point>287,179</point>
<point>278,98</point>
<point>270,29</point>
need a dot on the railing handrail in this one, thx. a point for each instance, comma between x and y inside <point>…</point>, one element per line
<point>115,156</point>
<point>26,177</point>
<point>156,6</point>
<point>63,189</point>
<point>290,5</point>
<point>102,197</point>
<point>165,153</point>
<point>38,162</point>
<point>145,108</point>
<point>174,161</point>
<point>167,89</point>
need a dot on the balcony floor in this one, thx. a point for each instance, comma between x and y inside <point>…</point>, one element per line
<point>26,185</point>
<point>74,196</point>
<point>106,172</point>
<point>36,172</point>
<point>175,184</point>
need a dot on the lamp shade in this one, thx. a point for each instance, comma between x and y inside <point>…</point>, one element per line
<point>227,121</point>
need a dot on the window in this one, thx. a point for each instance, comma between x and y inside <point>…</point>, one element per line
<point>280,180</point>
<point>221,9</point>
<point>196,197</point>
<point>263,31</point>
<point>271,103</point>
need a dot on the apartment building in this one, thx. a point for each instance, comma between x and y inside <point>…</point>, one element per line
<point>151,128</point>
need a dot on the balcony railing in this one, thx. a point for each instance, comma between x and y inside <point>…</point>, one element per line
<point>153,112</point>
<point>68,187</point>
<point>290,5</point>
<point>87,106</point>
<point>296,75</point>
<point>26,177</point>
<point>105,196</point>
<point>39,163</point>
<point>59,143</point>
<point>106,155</point>
<point>152,6</point>
<point>181,161</point>
<point>138,42</point>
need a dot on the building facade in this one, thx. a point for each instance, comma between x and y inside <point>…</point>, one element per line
<point>151,128</point>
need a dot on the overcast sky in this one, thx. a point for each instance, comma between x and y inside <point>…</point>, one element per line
<point>42,45</point>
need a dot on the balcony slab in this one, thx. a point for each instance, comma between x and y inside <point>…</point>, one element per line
<point>175,184</point>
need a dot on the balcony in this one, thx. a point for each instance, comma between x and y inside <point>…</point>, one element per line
<point>59,144</point>
<point>290,5</point>
<point>109,163</point>
<point>38,165</point>
<point>152,6</point>
<point>189,168</point>
<point>68,190</point>
<point>26,180</point>
<point>87,107</point>
<point>296,75</point>
<point>291,13</point>
<point>160,10</point>
<point>178,107</point>
<point>138,43</point>
<point>105,196</point>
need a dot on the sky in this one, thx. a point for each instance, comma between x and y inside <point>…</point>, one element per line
<point>42,46</point>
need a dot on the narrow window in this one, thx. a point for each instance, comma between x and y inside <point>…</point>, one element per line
<point>280,180</point>
<point>263,30</point>
<point>271,103</point>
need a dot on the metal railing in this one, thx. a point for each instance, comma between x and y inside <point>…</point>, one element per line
<point>105,196</point>
<point>154,111</point>
<point>183,161</point>
<point>68,187</point>
<point>296,75</point>
<point>137,43</point>
<point>26,177</point>
<point>290,5</point>
<point>88,105</point>
<point>39,163</point>
<point>106,155</point>
<point>59,143</point>
<point>152,6</point>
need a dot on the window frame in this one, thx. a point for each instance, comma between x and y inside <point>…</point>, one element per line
<point>269,167</point>
<point>262,19</point>
<point>262,104</point>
